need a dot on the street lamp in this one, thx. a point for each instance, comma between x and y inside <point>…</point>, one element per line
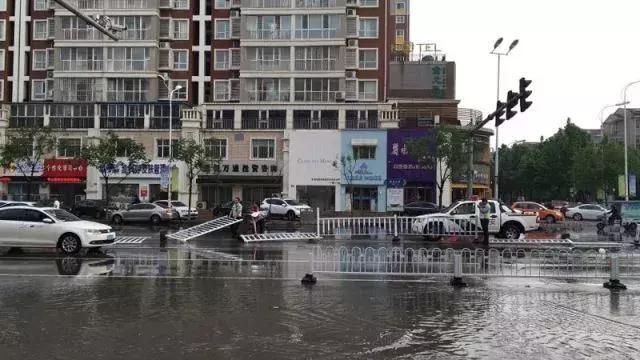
<point>165,80</point>
<point>604,186</point>
<point>626,155</point>
<point>496,45</point>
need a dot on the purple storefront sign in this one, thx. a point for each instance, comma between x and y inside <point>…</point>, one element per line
<point>400,165</point>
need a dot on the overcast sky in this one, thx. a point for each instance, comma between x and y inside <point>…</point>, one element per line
<point>579,54</point>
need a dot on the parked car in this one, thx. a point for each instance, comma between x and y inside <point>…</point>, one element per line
<point>224,209</point>
<point>97,209</point>
<point>6,203</point>
<point>286,208</point>
<point>420,208</point>
<point>503,222</point>
<point>144,212</point>
<point>184,212</point>
<point>586,212</point>
<point>544,214</point>
<point>28,226</point>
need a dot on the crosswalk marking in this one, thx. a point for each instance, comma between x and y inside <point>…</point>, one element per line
<point>130,239</point>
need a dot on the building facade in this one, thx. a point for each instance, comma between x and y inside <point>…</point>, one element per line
<point>613,126</point>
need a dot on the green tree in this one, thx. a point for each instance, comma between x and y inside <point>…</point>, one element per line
<point>197,159</point>
<point>109,152</point>
<point>347,165</point>
<point>445,151</point>
<point>25,150</point>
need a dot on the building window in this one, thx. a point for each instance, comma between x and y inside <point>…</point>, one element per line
<point>316,89</point>
<point>182,93</point>
<point>180,4</point>
<point>401,19</point>
<point>216,148</point>
<point>38,5</point>
<point>220,90</point>
<point>221,61</point>
<point>364,152</point>
<point>1,59</point>
<point>368,90</point>
<point>69,147</point>
<point>369,3</point>
<point>223,29</point>
<point>317,26</point>
<point>222,4</point>
<point>180,60</point>
<point>127,89</point>
<point>263,149</point>
<point>400,36</point>
<point>368,27</point>
<point>38,90</point>
<point>40,30</point>
<point>3,5</point>
<point>400,5</point>
<point>2,30</point>
<point>1,89</point>
<point>368,59</point>
<point>39,59</point>
<point>162,147</point>
<point>180,29</point>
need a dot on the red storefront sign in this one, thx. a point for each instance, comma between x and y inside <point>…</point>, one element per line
<point>65,171</point>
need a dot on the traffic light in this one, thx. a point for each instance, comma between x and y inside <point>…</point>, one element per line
<point>512,101</point>
<point>500,106</point>
<point>524,94</point>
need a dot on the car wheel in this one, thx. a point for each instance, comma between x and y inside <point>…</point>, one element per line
<point>155,219</point>
<point>291,215</point>
<point>69,265</point>
<point>70,244</point>
<point>577,217</point>
<point>550,219</point>
<point>117,219</point>
<point>511,231</point>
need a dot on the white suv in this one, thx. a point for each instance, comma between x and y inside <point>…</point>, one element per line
<point>287,208</point>
<point>183,210</point>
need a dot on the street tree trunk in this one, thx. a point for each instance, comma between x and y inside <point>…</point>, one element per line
<point>190,191</point>
<point>440,188</point>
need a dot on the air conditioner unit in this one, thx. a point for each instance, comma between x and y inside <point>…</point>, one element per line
<point>352,43</point>
<point>351,74</point>
<point>351,12</point>
<point>201,205</point>
<point>235,13</point>
<point>165,45</point>
<point>50,74</point>
<point>340,96</point>
<point>50,94</point>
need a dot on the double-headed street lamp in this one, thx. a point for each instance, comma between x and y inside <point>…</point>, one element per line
<point>165,80</point>
<point>626,155</point>
<point>495,51</point>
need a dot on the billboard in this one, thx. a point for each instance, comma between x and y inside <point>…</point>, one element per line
<point>401,165</point>
<point>313,156</point>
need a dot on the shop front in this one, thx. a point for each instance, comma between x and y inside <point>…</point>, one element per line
<point>313,172</point>
<point>416,181</point>
<point>481,183</point>
<point>19,183</point>
<point>363,171</point>
<point>66,179</point>
<point>251,181</point>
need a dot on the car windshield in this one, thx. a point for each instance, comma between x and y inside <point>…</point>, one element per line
<point>178,203</point>
<point>62,215</point>
<point>292,202</point>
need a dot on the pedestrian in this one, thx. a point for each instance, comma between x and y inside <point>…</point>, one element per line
<point>236,213</point>
<point>257,219</point>
<point>485,213</point>
<point>56,204</point>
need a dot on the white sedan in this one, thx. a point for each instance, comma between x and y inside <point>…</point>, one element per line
<point>185,212</point>
<point>25,226</point>
<point>585,212</point>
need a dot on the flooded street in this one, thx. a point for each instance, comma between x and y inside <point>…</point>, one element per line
<point>245,301</point>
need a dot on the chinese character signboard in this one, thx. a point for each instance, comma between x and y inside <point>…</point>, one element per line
<point>401,165</point>
<point>65,168</point>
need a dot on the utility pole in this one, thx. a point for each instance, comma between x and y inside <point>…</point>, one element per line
<point>106,27</point>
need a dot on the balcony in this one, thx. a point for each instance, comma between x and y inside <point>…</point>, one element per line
<point>316,33</point>
<point>128,65</point>
<point>272,123</point>
<point>81,65</point>
<point>316,65</point>
<point>319,4</point>
<point>121,122</point>
<point>269,65</point>
<point>221,124</point>
<point>266,4</point>
<point>325,124</point>
<point>82,34</point>
<point>268,96</point>
<point>269,34</point>
<point>111,4</point>
<point>317,96</point>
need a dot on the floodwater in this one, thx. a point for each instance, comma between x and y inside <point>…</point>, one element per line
<point>247,302</point>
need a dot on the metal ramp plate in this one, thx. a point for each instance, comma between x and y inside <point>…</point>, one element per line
<point>279,237</point>
<point>204,228</point>
<point>531,242</point>
<point>131,239</point>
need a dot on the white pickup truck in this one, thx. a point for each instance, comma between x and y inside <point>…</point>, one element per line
<point>503,221</point>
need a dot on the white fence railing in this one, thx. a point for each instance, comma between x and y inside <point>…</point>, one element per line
<point>435,226</point>
<point>491,263</point>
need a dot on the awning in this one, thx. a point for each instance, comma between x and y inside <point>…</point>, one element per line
<point>64,180</point>
<point>364,142</point>
<point>5,179</point>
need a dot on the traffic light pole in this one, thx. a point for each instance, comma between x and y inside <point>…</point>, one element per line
<point>497,164</point>
<point>86,18</point>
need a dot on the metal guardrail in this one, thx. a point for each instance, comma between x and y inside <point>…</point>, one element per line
<point>204,228</point>
<point>278,237</point>
<point>434,227</point>
<point>481,263</point>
